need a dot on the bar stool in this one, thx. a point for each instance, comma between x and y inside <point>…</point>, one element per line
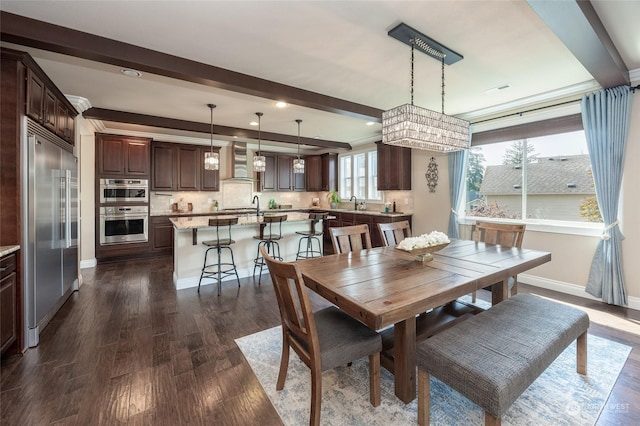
<point>269,240</point>
<point>310,236</point>
<point>218,270</point>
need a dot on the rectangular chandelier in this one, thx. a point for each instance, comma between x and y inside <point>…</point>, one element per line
<point>416,127</point>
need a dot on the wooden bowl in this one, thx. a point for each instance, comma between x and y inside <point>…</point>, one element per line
<point>424,254</point>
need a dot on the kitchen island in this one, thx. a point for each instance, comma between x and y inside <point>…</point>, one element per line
<point>190,232</point>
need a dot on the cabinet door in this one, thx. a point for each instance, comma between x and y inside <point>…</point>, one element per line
<point>210,179</point>
<point>268,178</point>
<point>329,172</point>
<point>394,167</point>
<point>164,160</point>
<point>8,305</point>
<point>161,232</point>
<point>110,155</point>
<point>313,172</point>
<point>65,123</point>
<point>50,113</point>
<point>285,174</point>
<point>35,96</point>
<point>137,158</point>
<point>188,168</point>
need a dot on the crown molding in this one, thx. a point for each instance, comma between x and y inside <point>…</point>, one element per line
<point>81,104</point>
<point>634,75</point>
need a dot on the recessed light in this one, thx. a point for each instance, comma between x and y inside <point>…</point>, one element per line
<point>370,123</point>
<point>130,72</point>
<point>281,104</point>
<point>253,123</point>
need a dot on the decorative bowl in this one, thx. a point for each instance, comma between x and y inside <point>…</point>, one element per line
<point>424,254</point>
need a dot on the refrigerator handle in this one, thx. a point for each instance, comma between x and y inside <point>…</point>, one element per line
<point>67,208</point>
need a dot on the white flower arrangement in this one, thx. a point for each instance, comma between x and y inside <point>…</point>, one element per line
<point>434,238</point>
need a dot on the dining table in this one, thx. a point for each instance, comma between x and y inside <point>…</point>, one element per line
<point>386,286</point>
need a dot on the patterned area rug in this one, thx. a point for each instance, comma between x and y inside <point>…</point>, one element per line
<point>560,396</point>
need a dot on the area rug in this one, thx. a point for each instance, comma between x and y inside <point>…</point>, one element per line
<point>560,396</point>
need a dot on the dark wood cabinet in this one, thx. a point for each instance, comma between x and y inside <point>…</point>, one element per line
<point>189,166</point>
<point>48,106</point>
<point>279,176</point>
<point>161,234</point>
<point>164,171</point>
<point>394,167</point>
<point>122,156</point>
<point>313,172</point>
<point>8,302</point>
<point>329,172</point>
<point>181,167</point>
<point>209,179</point>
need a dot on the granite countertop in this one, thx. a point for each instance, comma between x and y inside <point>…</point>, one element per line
<point>369,212</point>
<point>243,211</point>
<point>5,250</point>
<point>203,221</point>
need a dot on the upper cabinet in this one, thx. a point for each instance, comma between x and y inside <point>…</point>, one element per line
<point>48,106</point>
<point>394,167</point>
<point>321,172</point>
<point>181,167</point>
<point>122,156</point>
<point>279,176</point>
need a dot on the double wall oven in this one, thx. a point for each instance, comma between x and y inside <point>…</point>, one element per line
<point>124,211</point>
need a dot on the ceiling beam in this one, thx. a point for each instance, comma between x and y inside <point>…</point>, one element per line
<point>577,25</point>
<point>193,126</point>
<point>42,35</point>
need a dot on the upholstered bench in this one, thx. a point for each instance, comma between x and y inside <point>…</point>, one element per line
<point>493,357</point>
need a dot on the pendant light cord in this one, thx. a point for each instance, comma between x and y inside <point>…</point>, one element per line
<point>298,121</point>
<point>259,114</point>
<point>211,145</point>
<point>413,48</point>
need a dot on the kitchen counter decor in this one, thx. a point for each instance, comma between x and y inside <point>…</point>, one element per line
<point>425,244</point>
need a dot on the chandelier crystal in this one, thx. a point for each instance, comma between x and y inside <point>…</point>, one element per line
<point>298,163</point>
<point>259,161</point>
<point>211,158</point>
<point>412,126</point>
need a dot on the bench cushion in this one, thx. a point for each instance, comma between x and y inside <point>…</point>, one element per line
<point>493,357</point>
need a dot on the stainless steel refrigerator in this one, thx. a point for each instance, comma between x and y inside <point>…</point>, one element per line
<point>50,226</point>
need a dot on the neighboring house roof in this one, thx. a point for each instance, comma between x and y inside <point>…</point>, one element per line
<point>549,175</point>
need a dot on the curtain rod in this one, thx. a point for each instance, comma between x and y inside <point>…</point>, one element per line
<point>632,89</point>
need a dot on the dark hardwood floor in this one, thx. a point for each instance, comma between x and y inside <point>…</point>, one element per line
<point>129,349</point>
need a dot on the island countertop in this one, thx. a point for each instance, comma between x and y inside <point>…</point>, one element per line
<point>195,222</point>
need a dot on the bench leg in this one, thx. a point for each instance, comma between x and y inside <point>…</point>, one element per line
<point>424,396</point>
<point>581,353</point>
<point>490,420</point>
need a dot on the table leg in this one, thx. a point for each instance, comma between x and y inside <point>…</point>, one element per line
<point>500,292</point>
<point>405,359</point>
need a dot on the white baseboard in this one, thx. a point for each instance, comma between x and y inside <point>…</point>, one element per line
<point>89,263</point>
<point>568,288</point>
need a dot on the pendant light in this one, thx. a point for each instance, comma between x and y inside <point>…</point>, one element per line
<point>211,159</point>
<point>259,162</point>
<point>298,163</point>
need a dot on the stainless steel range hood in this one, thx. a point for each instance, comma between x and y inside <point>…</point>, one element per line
<point>239,169</point>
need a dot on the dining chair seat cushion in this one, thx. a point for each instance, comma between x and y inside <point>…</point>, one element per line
<point>343,339</point>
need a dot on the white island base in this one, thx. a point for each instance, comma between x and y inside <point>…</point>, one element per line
<point>188,258</point>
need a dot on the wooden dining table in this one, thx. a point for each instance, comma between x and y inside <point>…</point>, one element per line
<point>387,286</point>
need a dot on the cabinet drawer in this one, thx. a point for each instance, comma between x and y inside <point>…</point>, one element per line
<point>7,265</point>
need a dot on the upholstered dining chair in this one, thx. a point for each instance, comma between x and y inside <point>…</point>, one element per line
<point>324,339</point>
<point>393,233</point>
<point>504,234</point>
<point>350,238</point>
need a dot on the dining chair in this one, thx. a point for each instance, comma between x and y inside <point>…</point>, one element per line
<point>504,234</point>
<point>324,339</point>
<point>393,233</point>
<point>350,238</point>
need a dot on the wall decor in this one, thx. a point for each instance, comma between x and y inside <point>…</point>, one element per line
<point>432,175</point>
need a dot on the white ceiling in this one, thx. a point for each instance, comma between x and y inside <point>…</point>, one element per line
<point>335,48</point>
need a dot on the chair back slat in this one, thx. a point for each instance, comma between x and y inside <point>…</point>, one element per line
<point>393,233</point>
<point>350,238</point>
<point>504,234</point>
<point>294,305</point>
<point>223,227</point>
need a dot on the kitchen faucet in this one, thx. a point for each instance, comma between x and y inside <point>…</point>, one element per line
<point>355,202</point>
<point>254,201</point>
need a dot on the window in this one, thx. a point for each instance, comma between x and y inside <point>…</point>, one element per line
<point>545,178</point>
<point>359,176</point>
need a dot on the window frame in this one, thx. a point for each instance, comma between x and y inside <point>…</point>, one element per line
<point>354,177</point>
